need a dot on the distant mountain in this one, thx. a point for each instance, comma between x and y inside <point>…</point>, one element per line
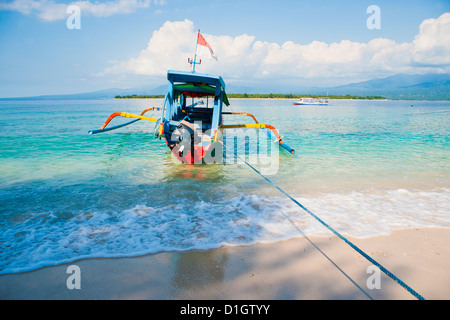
<point>100,94</point>
<point>397,87</point>
<point>400,86</point>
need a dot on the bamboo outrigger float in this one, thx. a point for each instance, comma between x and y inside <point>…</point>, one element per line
<point>192,131</point>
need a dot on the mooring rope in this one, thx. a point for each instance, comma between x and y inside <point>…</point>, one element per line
<point>361,252</point>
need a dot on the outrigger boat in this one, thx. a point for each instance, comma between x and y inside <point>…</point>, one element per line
<point>202,125</point>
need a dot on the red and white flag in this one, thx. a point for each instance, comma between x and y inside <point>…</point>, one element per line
<point>201,41</point>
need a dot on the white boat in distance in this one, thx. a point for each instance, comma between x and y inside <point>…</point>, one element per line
<point>311,101</point>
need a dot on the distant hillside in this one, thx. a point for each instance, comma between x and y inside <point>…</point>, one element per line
<point>100,94</point>
<point>401,86</point>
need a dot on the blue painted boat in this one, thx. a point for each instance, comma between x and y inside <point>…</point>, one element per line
<point>191,129</point>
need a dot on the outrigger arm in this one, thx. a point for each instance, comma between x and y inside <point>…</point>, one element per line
<point>126,115</point>
<point>272,132</point>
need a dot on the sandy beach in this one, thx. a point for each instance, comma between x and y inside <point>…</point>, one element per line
<point>304,268</point>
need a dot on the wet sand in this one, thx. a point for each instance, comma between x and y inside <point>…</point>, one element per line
<point>299,269</point>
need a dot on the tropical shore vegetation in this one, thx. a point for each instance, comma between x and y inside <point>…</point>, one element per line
<point>264,96</point>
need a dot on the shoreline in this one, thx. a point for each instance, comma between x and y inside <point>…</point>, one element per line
<point>319,268</point>
<point>231,97</point>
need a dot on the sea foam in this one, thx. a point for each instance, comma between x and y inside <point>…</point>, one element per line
<point>43,239</point>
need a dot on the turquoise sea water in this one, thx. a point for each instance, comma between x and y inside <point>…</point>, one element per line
<point>365,167</point>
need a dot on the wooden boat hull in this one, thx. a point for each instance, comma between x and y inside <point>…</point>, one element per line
<point>204,152</point>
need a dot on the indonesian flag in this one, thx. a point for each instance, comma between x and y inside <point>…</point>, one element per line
<point>201,41</point>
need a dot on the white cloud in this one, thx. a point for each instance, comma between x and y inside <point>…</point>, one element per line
<point>432,44</point>
<point>50,10</point>
<point>244,57</point>
<point>169,47</point>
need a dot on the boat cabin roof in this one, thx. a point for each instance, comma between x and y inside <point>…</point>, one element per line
<point>197,84</point>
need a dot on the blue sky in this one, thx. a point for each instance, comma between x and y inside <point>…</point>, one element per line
<point>126,44</point>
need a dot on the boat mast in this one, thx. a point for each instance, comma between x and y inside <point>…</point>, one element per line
<point>194,62</point>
